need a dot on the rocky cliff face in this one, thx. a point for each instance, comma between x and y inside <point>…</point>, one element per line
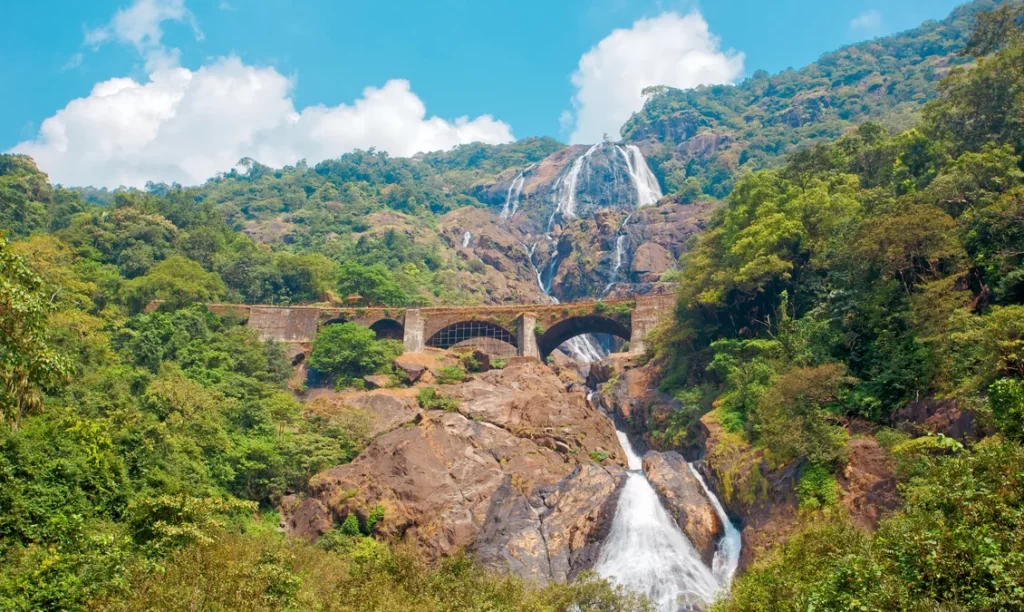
<point>755,490</point>
<point>587,221</point>
<point>511,475</point>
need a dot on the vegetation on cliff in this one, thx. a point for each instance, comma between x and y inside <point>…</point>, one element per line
<point>860,276</point>
<point>702,140</point>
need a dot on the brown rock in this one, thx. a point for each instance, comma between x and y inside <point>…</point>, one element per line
<point>650,261</point>
<point>377,381</point>
<point>304,518</point>
<point>938,416</point>
<point>412,371</point>
<point>868,483</point>
<point>683,495</point>
<point>751,488</point>
<point>507,476</point>
<point>529,399</point>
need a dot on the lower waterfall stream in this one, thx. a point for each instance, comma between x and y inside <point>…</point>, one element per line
<point>647,552</point>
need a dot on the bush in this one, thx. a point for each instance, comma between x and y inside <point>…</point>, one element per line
<point>429,399</point>
<point>793,419</point>
<point>470,362</point>
<point>347,350</point>
<point>599,455</point>
<point>818,488</point>
<point>1006,396</point>
<point>270,573</point>
<point>955,545</point>
<point>449,375</point>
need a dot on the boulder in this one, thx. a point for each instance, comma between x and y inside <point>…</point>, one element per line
<point>529,399</point>
<point>507,477</point>
<point>938,416</point>
<point>377,381</point>
<point>555,534</point>
<point>685,499</point>
<point>650,261</point>
<point>304,518</point>
<point>412,371</point>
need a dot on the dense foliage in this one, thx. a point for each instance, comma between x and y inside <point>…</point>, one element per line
<point>703,139</point>
<point>862,275</point>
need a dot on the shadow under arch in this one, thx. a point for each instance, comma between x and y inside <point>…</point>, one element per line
<point>568,329</point>
<point>388,329</point>
<point>455,333</point>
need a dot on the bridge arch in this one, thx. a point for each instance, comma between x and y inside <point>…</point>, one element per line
<point>567,329</point>
<point>462,331</point>
<point>388,329</point>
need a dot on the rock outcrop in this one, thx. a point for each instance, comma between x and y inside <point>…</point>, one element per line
<point>510,475</point>
<point>762,495</point>
<point>686,500</point>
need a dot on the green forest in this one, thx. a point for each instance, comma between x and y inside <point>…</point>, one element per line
<point>861,275</point>
<point>856,264</point>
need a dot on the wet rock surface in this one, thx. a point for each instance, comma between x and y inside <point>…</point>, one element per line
<point>685,500</point>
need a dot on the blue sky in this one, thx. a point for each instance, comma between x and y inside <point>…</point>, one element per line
<point>512,61</point>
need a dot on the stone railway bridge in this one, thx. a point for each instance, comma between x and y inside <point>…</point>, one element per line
<point>532,330</point>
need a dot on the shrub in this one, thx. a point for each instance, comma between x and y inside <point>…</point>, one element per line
<point>599,455</point>
<point>818,488</point>
<point>1006,396</point>
<point>793,419</point>
<point>347,350</point>
<point>470,362</point>
<point>449,375</point>
<point>270,573</point>
<point>430,399</point>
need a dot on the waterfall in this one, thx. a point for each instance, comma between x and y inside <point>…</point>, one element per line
<point>620,253</point>
<point>647,552</point>
<point>582,348</point>
<point>515,190</point>
<point>647,189</point>
<point>466,238</point>
<point>727,556</point>
<point>564,188</point>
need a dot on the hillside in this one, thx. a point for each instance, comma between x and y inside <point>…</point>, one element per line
<point>700,140</point>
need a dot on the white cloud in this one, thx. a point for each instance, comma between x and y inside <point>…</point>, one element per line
<point>868,21</point>
<point>185,126</point>
<point>141,25</point>
<point>73,62</point>
<point>671,49</point>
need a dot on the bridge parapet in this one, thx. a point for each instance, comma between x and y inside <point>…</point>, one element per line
<point>532,329</point>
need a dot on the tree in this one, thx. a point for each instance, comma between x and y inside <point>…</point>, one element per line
<point>375,284</point>
<point>793,418</point>
<point>28,365</point>
<point>177,282</point>
<point>348,350</point>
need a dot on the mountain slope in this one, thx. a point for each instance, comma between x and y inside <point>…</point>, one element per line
<point>700,140</point>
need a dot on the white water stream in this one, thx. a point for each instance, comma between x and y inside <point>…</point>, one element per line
<point>648,191</point>
<point>647,552</point>
<point>466,238</point>
<point>515,191</point>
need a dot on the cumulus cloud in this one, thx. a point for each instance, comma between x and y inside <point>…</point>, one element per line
<point>141,25</point>
<point>671,49</point>
<point>868,21</point>
<point>185,126</point>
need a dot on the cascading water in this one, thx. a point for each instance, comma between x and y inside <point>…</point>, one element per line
<point>563,193</point>
<point>564,188</point>
<point>727,556</point>
<point>648,191</point>
<point>466,238</point>
<point>515,191</point>
<point>583,349</point>
<point>647,552</point>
